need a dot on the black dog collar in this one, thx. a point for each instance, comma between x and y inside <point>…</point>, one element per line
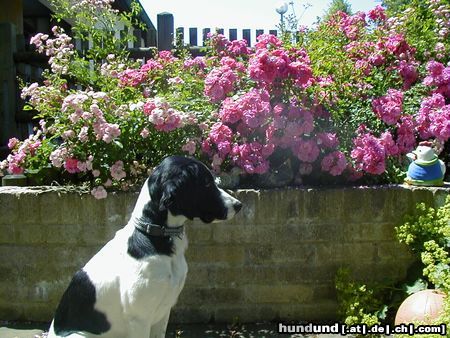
<point>160,230</point>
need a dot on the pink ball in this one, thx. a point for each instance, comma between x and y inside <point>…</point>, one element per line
<point>422,306</point>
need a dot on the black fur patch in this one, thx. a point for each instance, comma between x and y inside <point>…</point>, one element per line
<point>185,186</point>
<point>76,310</point>
<point>141,245</point>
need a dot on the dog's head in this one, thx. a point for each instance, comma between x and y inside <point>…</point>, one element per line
<point>183,186</point>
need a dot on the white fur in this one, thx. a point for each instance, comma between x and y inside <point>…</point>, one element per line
<point>229,203</point>
<point>147,288</point>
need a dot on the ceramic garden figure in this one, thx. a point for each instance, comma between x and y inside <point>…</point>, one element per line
<point>425,169</point>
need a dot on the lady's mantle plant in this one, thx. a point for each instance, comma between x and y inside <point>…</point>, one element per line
<point>345,102</point>
<point>427,234</point>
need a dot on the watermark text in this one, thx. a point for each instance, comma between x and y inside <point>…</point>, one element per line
<point>362,329</point>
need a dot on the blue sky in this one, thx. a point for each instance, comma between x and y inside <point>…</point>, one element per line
<point>240,14</point>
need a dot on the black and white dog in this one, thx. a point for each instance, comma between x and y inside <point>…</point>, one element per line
<point>128,288</point>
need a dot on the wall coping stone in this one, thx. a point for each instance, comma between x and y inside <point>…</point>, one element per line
<point>36,190</point>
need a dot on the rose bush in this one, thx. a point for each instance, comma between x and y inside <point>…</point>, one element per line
<point>344,102</point>
<point>384,81</point>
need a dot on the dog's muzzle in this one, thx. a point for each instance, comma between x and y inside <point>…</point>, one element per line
<point>232,204</point>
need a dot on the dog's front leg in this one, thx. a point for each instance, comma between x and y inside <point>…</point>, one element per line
<point>158,330</point>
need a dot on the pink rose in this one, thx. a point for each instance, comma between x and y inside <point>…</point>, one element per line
<point>71,165</point>
<point>99,192</point>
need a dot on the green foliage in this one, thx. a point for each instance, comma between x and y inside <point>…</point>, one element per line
<point>98,26</point>
<point>106,31</point>
<point>82,97</point>
<point>423,22</point>
<point>337,6</point>
<point>395,6</point>
<point>427,224</point>
<point>350,88</point>
<point>437,267</point>
<point>358,302</point>
<point>427,233</point>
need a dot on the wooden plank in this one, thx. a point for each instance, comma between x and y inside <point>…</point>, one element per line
<point>259,32</point>
<point>12,11</point>
<point>206,31</point>
<point>246,35</point>
<point>142,53</point>
<point>8,85</point>
<point>151,38</point>
<point>197,51</point>
<point>193,41</point>
<point>233,34</point>
<point>165,31</point>
<point>32,57</point>
<point>137,33</point>
<point>180,35</point>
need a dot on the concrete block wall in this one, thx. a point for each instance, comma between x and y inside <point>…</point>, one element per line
<point>276,259</point>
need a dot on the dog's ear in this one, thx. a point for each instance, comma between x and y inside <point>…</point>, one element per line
<point>174,184</point>
<point>154,185</point>
<point>167,196</point>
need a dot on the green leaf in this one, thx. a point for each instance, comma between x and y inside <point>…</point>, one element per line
<point>117,143</point>
<point>382,313</point>
<point>419,285</point>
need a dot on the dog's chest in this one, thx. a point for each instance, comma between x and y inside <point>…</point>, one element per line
<point>161,278</point>
<point>172,270</point>
<point>156,286</point>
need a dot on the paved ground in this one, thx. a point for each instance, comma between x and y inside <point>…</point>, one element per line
<point>13,333</point>
<point>175,331</point>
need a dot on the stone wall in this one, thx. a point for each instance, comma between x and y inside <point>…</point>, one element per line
<point>276,260</point>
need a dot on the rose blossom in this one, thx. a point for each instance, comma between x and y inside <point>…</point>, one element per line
<point>99,192</point>
<point>189,147</point>
<point>117,171</point>
<point>71,165</point>
<point>334,163</point>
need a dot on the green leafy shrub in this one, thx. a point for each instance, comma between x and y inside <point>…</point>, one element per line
<point>427,233</point>
<point>358,302</point>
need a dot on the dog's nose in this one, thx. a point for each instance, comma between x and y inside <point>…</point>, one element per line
<point>237,206</point>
